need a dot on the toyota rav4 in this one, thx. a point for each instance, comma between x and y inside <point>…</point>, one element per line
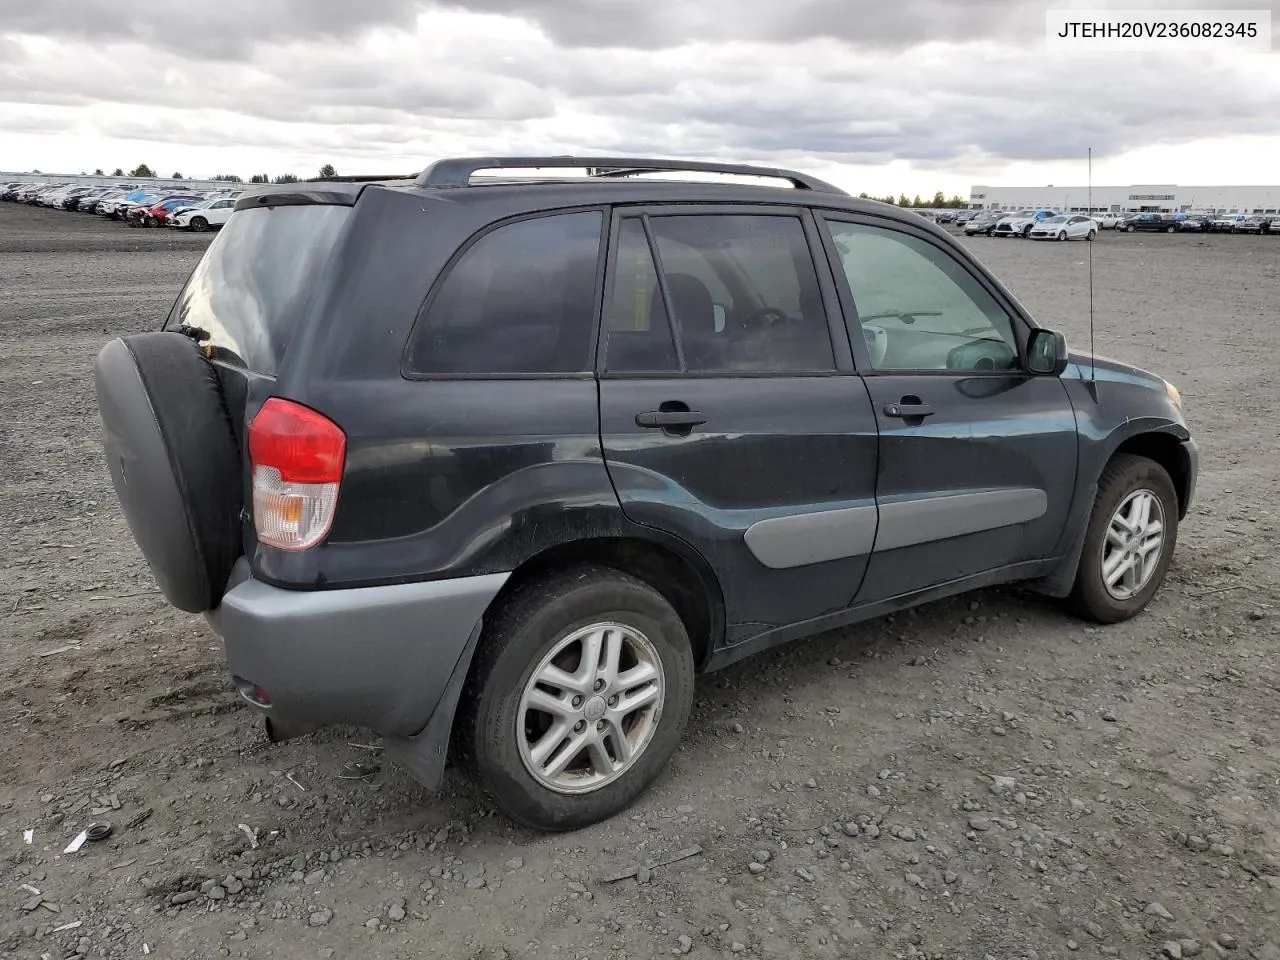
<point>495,466</point>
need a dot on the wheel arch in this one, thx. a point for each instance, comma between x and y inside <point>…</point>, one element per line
<point>1165,447</point>
<point>683,578</point>
<point>1168,451</point>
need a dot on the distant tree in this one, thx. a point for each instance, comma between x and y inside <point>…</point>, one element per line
<point>957,202</point>
<point>917,202</point>
<point>118,172</point>
<point>98,172</point>
<point>142,170</point>
<point>328,171</point>
<point>287,178</point>
<point>35,171</point>
<point>903,201</point>
<point>939,199</point>
<point>176,176</point>
<point>258,178</point>
<point>226,178</point>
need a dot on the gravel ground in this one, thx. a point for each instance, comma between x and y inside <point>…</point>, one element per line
<point>983,777</point>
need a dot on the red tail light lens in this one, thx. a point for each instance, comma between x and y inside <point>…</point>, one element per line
<point>297,457</point>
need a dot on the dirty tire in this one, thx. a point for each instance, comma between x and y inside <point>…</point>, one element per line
<point>1124,475</point>
<point>199,224</point>
<point>174,462</point>
<point>530,623</point>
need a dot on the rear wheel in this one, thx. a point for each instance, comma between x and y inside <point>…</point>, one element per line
<point>1091,235</point>
<point>1170,229</point>
<point>577,699</point>
<point>1130,540</point>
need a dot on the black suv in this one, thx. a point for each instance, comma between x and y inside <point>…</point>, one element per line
<point>496,466</point>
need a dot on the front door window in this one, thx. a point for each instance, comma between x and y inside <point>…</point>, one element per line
<point>920,310</point>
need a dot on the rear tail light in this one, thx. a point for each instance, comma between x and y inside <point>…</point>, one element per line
<point>297,457</point>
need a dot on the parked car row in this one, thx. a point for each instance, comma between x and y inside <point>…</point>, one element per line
<point>135,205</point>
<point>1043,224</point>
<point>1203,223</point>
<point>1038,224</point>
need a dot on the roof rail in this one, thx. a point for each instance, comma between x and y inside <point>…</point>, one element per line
<point>457,171</point>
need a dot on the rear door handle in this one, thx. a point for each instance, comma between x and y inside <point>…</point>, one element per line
<point>670,418</point>
<point>908,410</point>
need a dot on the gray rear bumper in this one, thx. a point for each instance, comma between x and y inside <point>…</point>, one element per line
<point>376,657</point>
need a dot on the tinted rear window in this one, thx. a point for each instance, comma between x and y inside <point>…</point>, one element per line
<point>520,300</point>
<point>255,279</point>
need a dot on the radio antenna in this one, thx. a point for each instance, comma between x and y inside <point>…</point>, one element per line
<point>1093,363</point>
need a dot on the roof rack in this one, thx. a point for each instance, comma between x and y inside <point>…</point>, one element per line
<point>457,171</point>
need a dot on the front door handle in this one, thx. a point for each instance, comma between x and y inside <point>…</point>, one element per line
<point>670,418</point>
<point>908,411</point>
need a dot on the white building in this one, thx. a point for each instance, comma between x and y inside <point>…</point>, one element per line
<point>1139,198</point>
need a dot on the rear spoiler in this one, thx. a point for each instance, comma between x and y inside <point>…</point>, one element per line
<point>339,191</point>
<point>300,194</point>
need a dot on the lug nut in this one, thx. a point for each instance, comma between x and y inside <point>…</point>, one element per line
<point>579,726</point>
<point>599,685</point>
<point>613,701</point>
<point>599,724</point>
<point>577,702</point>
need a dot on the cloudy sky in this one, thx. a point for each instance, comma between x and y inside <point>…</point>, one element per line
<point>877,95</point>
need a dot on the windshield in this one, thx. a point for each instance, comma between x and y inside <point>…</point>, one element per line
<point>254,280</point>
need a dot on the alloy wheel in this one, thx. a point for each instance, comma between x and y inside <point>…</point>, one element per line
<point>1133,544</point>
<point>590,708</point>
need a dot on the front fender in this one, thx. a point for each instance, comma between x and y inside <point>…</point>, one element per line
<point>1118,412</point>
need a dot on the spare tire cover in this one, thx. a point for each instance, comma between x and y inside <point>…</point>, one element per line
<point>174,461</point>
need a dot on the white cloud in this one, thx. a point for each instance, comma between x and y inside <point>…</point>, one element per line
<point>919,96</point>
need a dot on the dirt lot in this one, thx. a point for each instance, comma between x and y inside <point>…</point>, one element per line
<point>984,777</point>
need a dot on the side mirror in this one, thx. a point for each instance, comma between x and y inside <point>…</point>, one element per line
<point>1047,353</point>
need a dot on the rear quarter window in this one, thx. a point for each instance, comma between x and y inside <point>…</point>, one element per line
<point>520,299</point>
<point>255,280</point>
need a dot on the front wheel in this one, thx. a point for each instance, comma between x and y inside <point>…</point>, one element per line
<point>1062,235</point>
<point>199,224</point>
<point>578,698</point>
<point>1129,544</point>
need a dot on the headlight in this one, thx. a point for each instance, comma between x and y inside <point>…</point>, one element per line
<point>1174,395</point>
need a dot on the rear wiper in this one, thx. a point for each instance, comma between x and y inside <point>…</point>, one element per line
<point>906,316</point>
